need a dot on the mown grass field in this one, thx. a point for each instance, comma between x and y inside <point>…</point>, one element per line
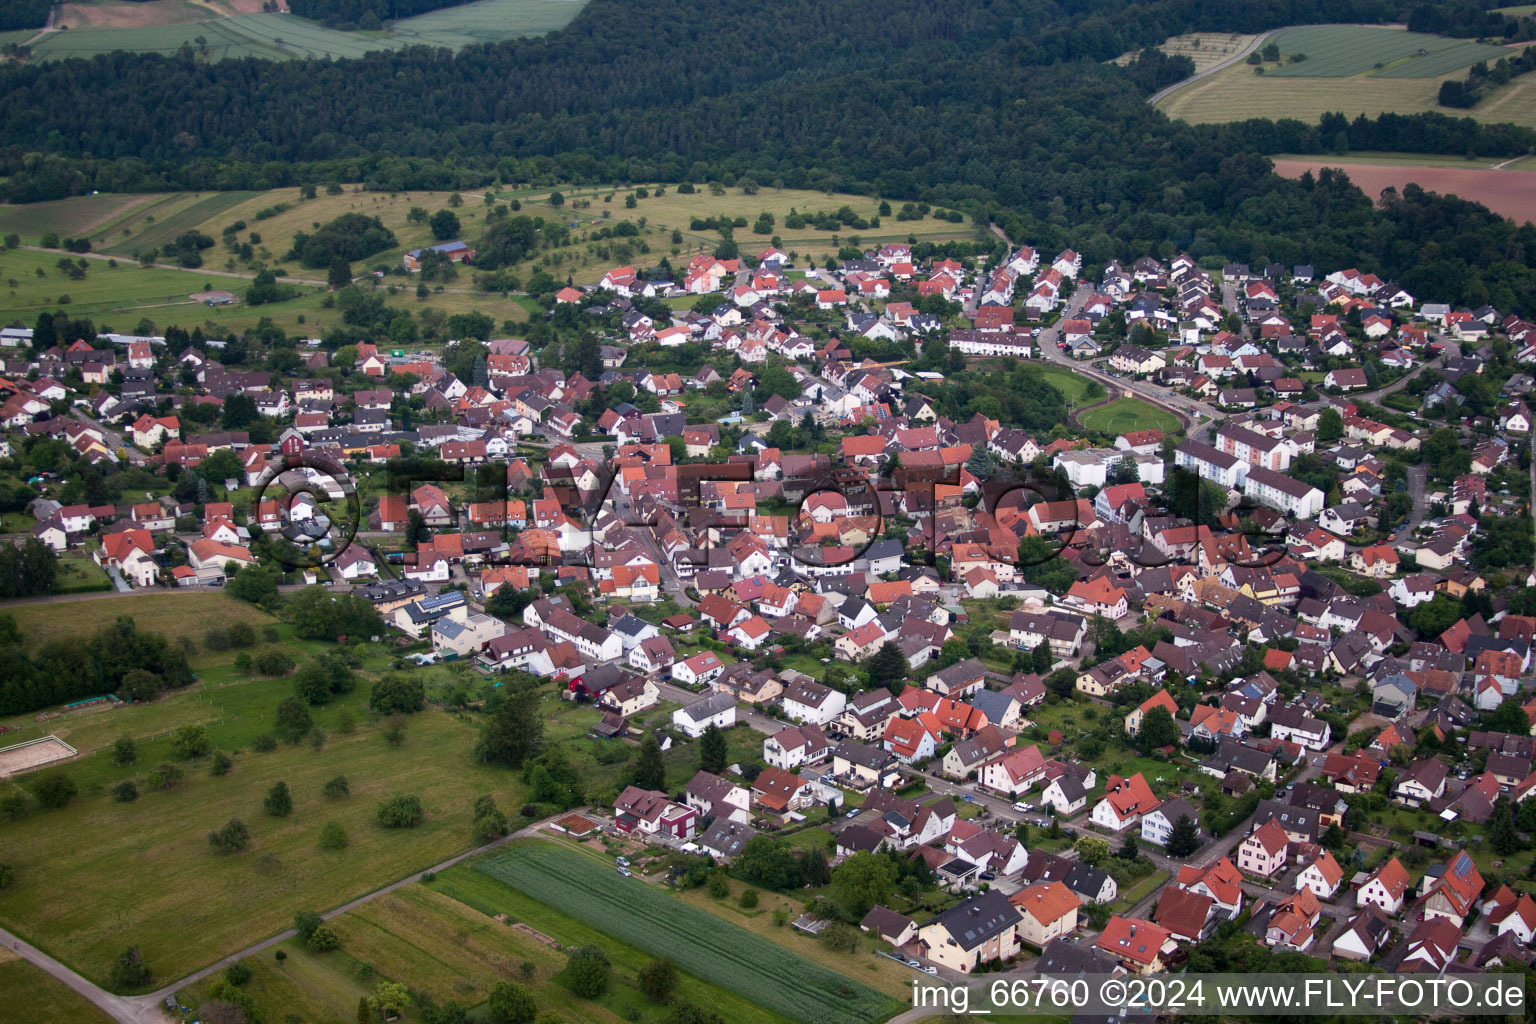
<point>279,36</point>
<point>171,614</point>
<point>1125,414</point>
<point>29,995</point>
<point>1341,73</point>
<point>431,942</point>
<point>147,875</point>
<point>1206,49</point>
<point>1340,51</point>
<point>752,967</point>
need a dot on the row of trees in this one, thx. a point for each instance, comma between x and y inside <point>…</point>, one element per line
<point>118,658</point>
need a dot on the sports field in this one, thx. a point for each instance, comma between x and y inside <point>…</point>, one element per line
<point>1352,69</point>
<point>167,25</point>
<point>652,920</point>
<point>1126,414</point>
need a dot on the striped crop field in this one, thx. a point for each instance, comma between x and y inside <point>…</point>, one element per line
<point>699,942</point>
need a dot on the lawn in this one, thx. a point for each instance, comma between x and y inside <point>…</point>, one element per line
<point>768,974</point>
<point>148,877</point>
<point>79,575</point>
<point>32,996</point>
<point>424,939</point>
<point>1073,385</point>
<point>1136,893</point>
<point>1126,414</point>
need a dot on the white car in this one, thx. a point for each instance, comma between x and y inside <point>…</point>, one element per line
<point>1021,807</point>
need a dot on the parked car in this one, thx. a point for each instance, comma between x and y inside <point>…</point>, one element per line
<point>1021,806</point>
<point>852,814</point>
<point>624,871</point>
<point>623,862</point>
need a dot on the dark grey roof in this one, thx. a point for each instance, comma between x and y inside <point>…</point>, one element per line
<point>978,919</point>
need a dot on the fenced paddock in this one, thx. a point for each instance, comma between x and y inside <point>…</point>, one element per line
<point>23,757</point>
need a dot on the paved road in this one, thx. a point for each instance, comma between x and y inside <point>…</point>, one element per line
<point>1163,93</point>
<point>1197,416</point>
<point>147,1009</point>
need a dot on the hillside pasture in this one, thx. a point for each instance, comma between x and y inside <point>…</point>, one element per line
<point>171,614</point>
<point>1237,94</point>
<point>1342,51</point>
<point>111,14</point>
<point>165,26</point>
<point>148,876</point>
<point>1353,69</point>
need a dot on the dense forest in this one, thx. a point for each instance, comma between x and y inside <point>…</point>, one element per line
<point>366,14</point>
<point>1004,109</point>
<point>20,14</point>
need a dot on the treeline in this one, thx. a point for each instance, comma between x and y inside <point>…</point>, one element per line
<point>23,14</point>
<point>1004,111</point>
<point>1481,79</point>
<point>27,570</point>
<point>367,14</point>
<point>1469,20</point>
<point>118,659</point>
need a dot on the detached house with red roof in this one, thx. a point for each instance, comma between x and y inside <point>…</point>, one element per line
<point>1385,888</point>
<point>1264,851</point>
<point>1454,895</point>
<point>1124,802</point>
<point>1097,597</point>
<point>131,553</point>
<point>1140,946</point>
<point>653,813</point>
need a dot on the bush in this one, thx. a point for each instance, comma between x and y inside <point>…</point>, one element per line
<point>191,741</point>
<point>748,898</point>
<point>130,970</point>
<point>333,836</point>
<point>293,722</point>
<point>279,802</point>
<point>221,763</point>
<point>588,970</point>
<point>164,775</point>
<point>511,1004</point>
<point>55,790</point>
<point>322,940</point>
<point>394,730</point>
<point>237,974</point>
<point>232,838</point>
<point>400,811</point>
<point>397,693</point>
<point>123,753</point>
<point>273,663</point>
<point>125,792</point>
<point>336,788</point>
<point>265,743</point>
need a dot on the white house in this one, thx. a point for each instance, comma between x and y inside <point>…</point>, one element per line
<point>718,709</point>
